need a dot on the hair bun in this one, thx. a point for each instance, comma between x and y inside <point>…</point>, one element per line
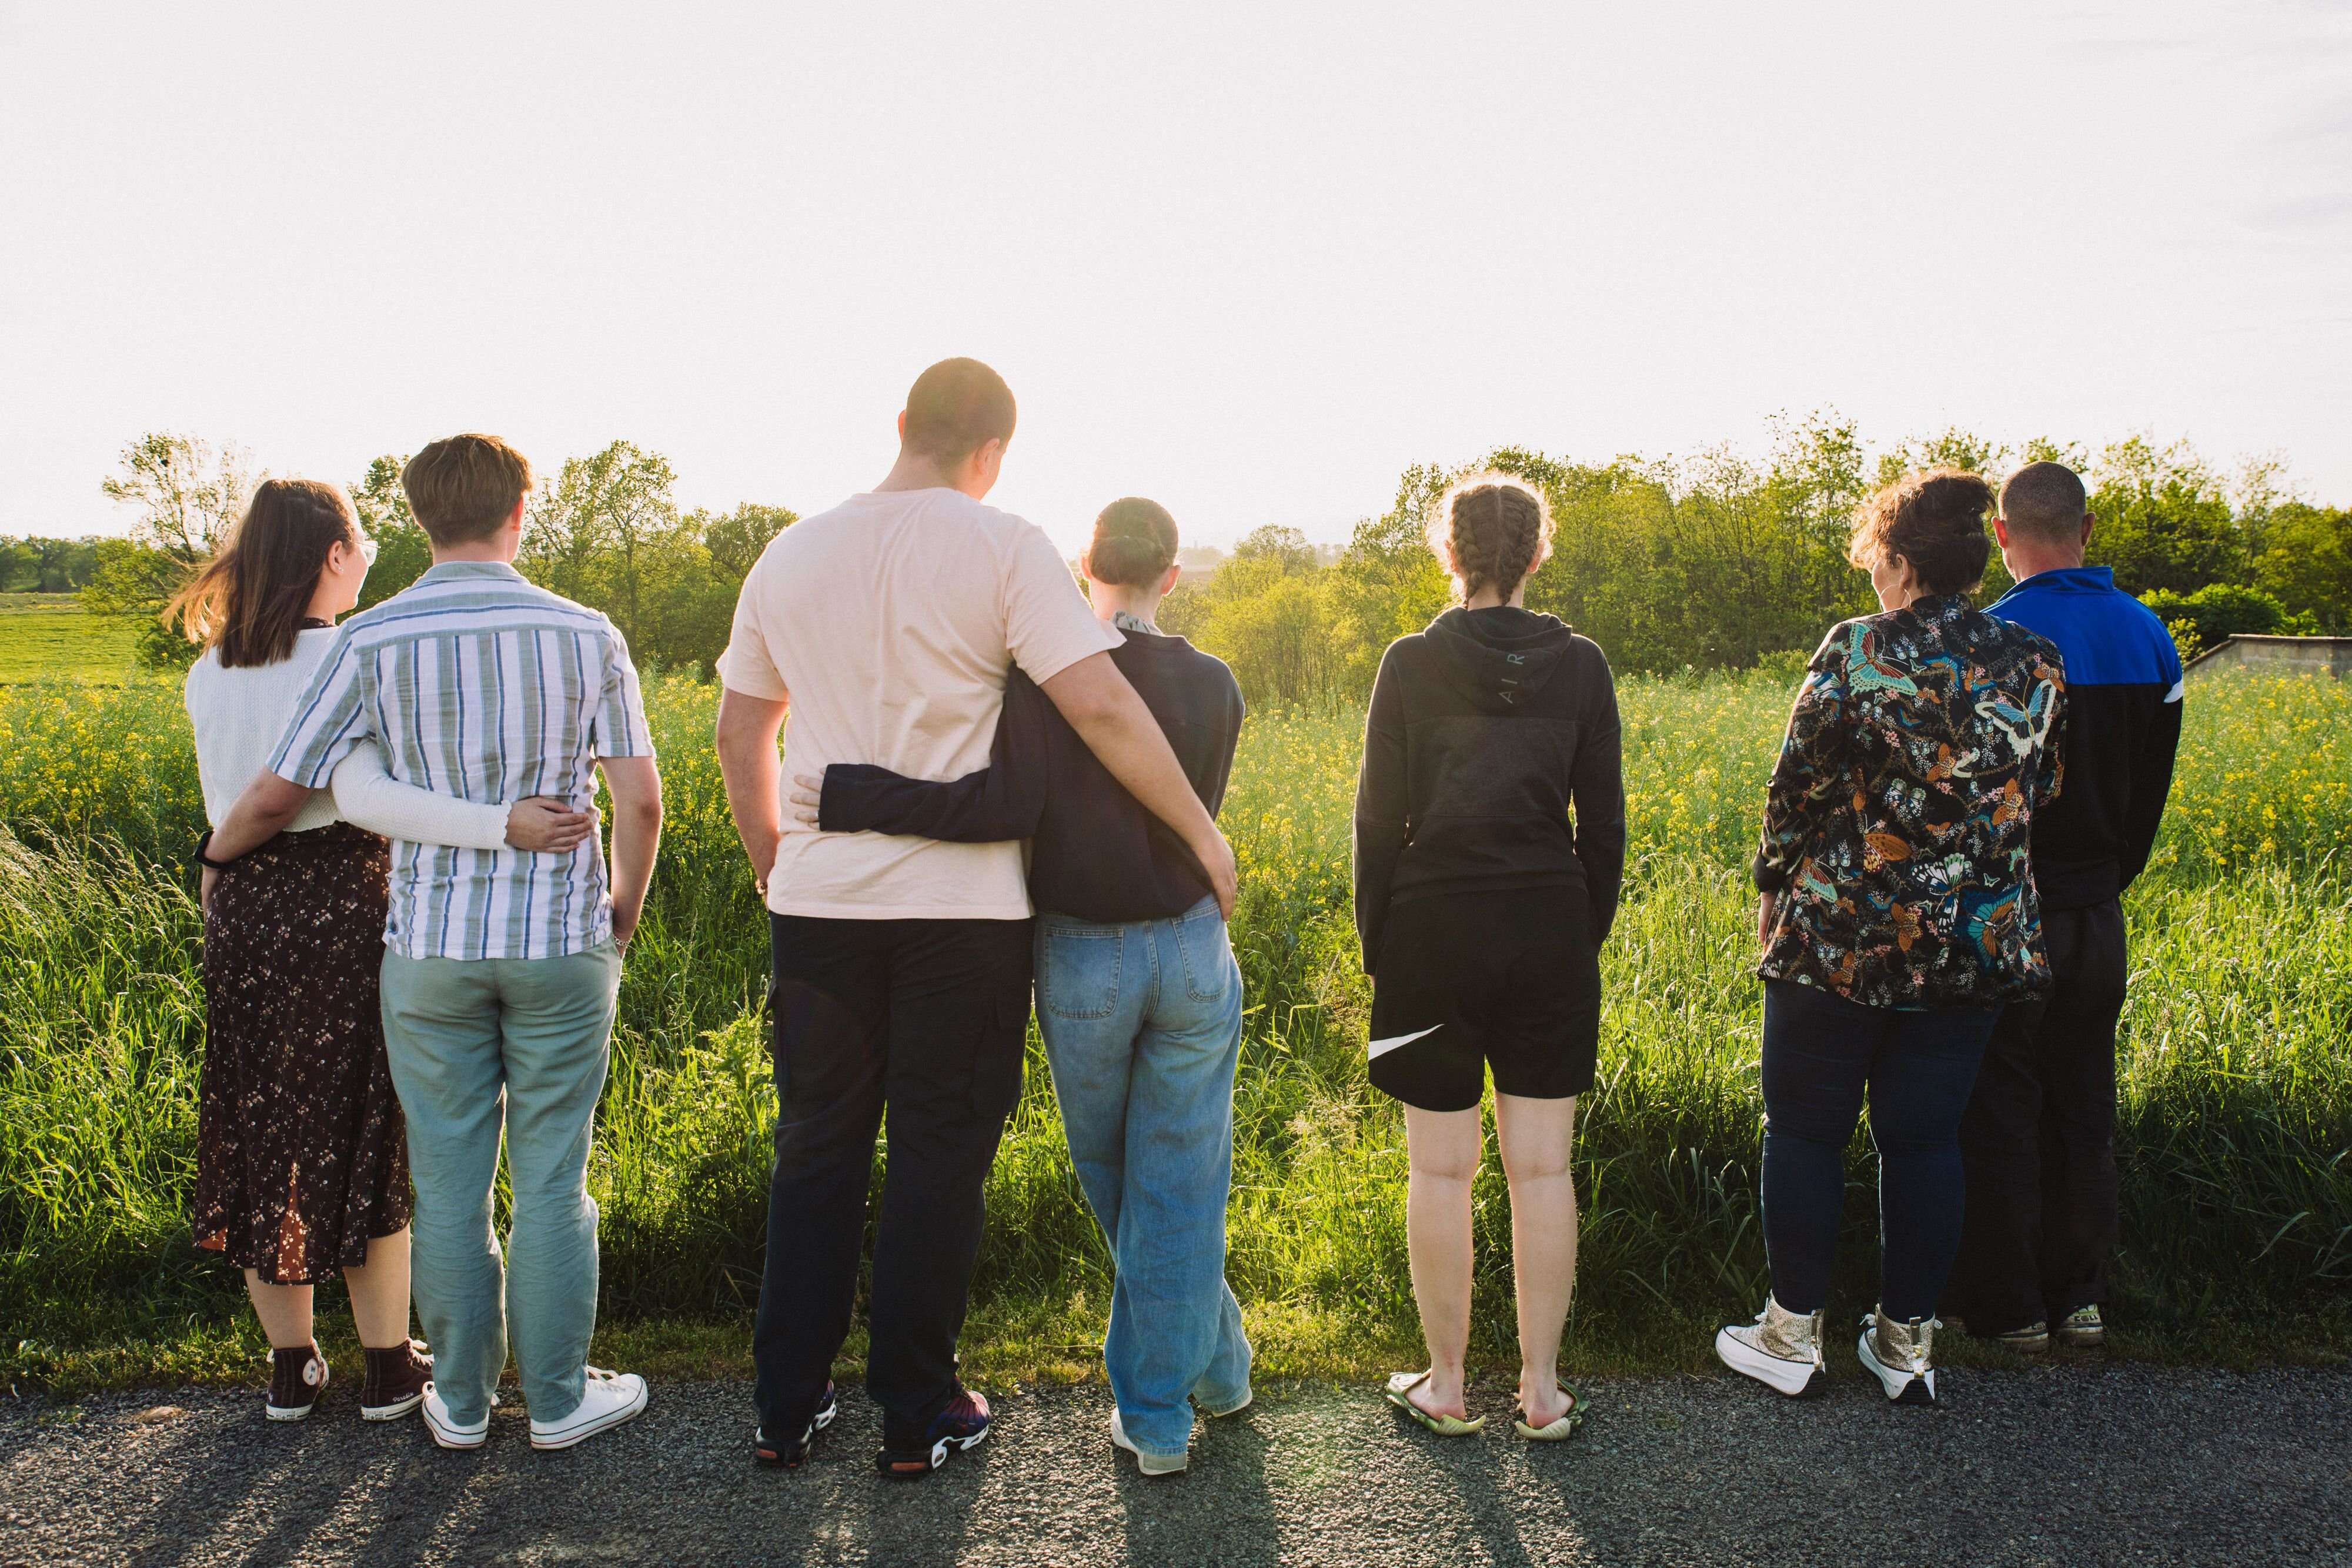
<point>1134,544</point>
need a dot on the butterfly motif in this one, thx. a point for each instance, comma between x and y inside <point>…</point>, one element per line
<point>1866,672</point>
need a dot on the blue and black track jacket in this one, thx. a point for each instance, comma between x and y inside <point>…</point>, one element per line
<point>2122,726</point>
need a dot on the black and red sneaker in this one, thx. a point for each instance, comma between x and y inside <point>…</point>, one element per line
<point>793,1455</point>
<point>963,1426</point>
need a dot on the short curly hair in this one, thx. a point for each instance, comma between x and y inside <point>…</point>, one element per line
<point>1932,518</point>
<point>1495,529</point>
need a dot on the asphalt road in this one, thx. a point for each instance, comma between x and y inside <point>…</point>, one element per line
<point>2075,1465</point>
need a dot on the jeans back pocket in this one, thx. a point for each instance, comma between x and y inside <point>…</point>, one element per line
<point>1078,969</point>
<point>1208,953</point>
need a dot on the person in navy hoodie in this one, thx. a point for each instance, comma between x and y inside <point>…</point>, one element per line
<point>2038,1140</point>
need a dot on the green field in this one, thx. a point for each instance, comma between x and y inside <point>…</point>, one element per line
<point>46,637</point>
<point>2237,1101</point>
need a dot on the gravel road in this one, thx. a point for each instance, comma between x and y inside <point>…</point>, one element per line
<point>2074,1465</point>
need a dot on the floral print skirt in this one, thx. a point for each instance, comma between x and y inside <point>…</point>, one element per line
<point>301,1155</point>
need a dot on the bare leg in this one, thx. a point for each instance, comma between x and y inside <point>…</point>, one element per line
<point>284,1310</point>
<point>1444,1147</point>
<point>379,1290</point>
<point>1537,1136</point>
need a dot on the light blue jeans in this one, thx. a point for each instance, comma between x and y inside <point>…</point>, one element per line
<point>478,1047</point>
<point>1142,1025</point>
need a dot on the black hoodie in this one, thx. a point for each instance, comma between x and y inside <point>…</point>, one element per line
<point>1490,762</point>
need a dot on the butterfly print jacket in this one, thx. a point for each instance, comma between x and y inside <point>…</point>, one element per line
<point>1898,820</point>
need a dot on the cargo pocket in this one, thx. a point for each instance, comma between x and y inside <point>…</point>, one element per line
<point>997,1059</point>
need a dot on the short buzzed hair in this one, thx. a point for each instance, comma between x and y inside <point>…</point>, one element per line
<point>2046,500</point>
<point>955,408</point>
<point>464,487</point>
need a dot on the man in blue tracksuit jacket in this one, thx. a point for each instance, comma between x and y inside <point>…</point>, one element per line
<point>2039,1135</point>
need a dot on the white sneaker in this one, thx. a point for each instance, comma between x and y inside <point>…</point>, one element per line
<point>1901,1355</point>
<point>611,1399</point>
<point>449,1432</point>
<point>1149,1464</point>
<point>1782,1350</point>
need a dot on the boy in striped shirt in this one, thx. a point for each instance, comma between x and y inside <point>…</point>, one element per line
<point>500,967</point>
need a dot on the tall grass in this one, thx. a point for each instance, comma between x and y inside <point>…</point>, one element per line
<point>2236,1071</point>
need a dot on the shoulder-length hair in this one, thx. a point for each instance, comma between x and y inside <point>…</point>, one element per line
<point>248,600</point>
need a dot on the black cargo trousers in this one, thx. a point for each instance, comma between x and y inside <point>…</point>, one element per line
<point>2038,1141</point>
<point>926,1018</point>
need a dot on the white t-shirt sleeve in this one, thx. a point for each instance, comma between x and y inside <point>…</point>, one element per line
<point>1049,625</point>
<point>749,665</point>
<point>366,794</point>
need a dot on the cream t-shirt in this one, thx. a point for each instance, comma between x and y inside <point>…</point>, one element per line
<point>889,623</point>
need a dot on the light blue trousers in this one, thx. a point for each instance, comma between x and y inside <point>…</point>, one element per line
<point>1142,1025</point>
<point>478,1048</point>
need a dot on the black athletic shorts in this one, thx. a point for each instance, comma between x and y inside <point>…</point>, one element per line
<point>1467,981</point>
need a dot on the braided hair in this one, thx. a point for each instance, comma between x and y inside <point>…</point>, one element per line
<point>1494,531</point>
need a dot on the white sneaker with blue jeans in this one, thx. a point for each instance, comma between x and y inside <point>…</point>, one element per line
<point>1142,1026</point>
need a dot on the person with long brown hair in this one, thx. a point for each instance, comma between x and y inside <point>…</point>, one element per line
<point>301,1164</point>
<point>1490,843</point>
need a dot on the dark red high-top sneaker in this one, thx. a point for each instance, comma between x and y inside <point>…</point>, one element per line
<point>297,1377</point>
<point>395,1381</point>
<point>963,1426</point>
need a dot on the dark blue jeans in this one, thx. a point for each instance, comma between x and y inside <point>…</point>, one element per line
<point>1822,1054</point>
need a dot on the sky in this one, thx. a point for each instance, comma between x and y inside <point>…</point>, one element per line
<point>1250,260</point>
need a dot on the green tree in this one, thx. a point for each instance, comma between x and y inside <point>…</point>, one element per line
<point>404,550</point>
<point>186,497</point>
<point>2306,563</point>
<point>2165,520</point>
<point>608,533</point>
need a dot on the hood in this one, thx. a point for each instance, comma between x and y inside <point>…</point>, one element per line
<point>1502,657</point>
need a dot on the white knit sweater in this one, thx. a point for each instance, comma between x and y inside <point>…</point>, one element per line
<point>239,715</point>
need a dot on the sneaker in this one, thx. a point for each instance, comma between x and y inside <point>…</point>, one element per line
<point>2084,1329</point>
<point>2034,1339</point>
<point>448,1430</point>
<point>791,1455</point>
<point>963,1426</point>
<point>1149,1464</point>
<point>296,1379</point>
<point>396,1381</point>
<point>1901,1355</point>
<point>1782,1350</point>
<point>611,1399</point>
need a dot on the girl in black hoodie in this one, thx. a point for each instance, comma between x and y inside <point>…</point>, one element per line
<point>1490,841</point>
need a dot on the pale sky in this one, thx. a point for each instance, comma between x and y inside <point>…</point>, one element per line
<point>1251,260</point>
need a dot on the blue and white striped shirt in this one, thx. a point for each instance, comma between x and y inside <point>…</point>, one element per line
<point>478,685</point>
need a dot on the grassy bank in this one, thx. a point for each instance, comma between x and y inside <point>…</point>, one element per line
<point>2237,1072</point>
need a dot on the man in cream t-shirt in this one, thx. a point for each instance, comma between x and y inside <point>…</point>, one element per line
<point>885,627</point>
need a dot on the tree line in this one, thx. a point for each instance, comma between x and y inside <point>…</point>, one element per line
<point>1711,562</point>
<point>606,529</point>
<point>1719,561</point>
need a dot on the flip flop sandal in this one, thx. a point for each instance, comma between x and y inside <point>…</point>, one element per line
<point>1399,1391</point>
<point>1559,1430</point>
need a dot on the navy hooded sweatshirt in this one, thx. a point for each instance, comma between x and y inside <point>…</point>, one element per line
<point>1491,762</point>
<point>2122,726</point>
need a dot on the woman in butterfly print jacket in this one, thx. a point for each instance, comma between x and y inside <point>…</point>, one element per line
<point>1898,914</point>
